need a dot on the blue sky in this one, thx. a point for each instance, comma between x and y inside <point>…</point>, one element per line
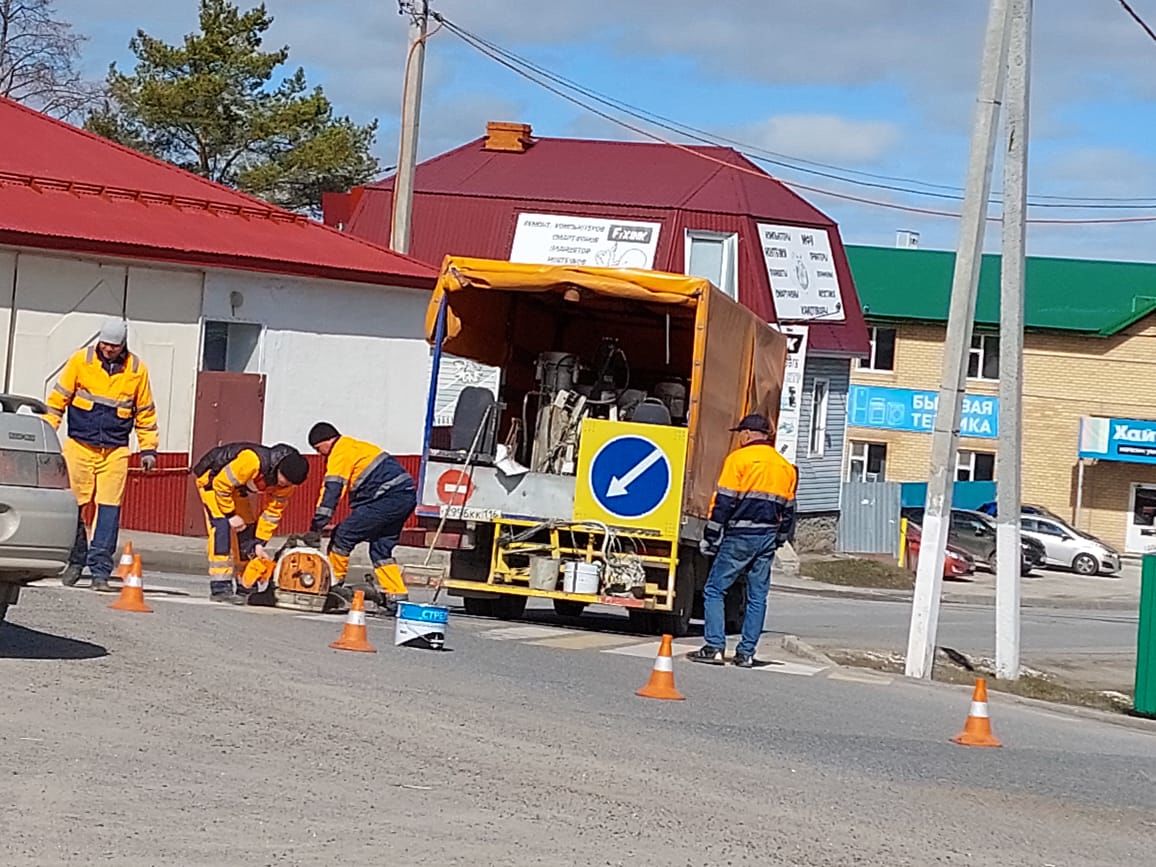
<point>882,86</point>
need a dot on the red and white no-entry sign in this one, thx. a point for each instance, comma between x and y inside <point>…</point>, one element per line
<point>455,488</point>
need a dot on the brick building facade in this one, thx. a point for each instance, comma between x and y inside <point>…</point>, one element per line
<point>1089,353</point>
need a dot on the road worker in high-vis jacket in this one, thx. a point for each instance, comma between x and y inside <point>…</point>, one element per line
<point>752,516</point>
<point>244,488</point>
<point>104,390</point>
<point>382,496</point>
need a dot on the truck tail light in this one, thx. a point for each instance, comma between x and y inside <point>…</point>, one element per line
<point>51,472</point>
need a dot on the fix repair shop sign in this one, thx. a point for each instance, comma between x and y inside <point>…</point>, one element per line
<point>553,239</point>
<point>801,268</point>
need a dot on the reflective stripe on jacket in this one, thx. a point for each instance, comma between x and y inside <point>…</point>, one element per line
<point>241,470</point>
<point>105,401</point>
<point>756,494</point>
<point>365,470</point>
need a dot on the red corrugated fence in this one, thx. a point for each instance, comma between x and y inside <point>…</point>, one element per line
<point>156,502</point>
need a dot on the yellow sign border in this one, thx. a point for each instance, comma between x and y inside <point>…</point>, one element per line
<point>666,518</point>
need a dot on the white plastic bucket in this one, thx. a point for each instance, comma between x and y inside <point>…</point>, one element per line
<point>581,577</point>
<point>421,626</point>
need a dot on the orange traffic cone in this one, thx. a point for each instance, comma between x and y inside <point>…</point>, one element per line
<point>353,636</point>
<point>977,730</point>
<point>132,593</point>
<point>661,683</point>
<point>124,567</point>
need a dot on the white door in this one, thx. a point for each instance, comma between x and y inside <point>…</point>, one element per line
<point>1141,533</point>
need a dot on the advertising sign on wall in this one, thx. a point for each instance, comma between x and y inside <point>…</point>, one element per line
<point>1128,440</point>
<point>906,409</point>
<point>787,432</point>
<point>801,268</point>
<point>551,239</point>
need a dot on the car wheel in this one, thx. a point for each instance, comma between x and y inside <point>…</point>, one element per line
<point>1086,564</point>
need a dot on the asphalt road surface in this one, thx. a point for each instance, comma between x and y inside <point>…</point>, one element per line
<point>208,735</point>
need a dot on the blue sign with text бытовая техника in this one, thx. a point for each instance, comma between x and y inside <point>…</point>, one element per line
<point>906,409</point>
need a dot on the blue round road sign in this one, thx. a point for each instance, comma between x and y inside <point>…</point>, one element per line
<point>630,476</point>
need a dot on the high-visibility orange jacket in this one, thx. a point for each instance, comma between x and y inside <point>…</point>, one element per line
<point>105,400</point>
<point>366,470</point>
<point>756,494</point>
<point>243,470</point>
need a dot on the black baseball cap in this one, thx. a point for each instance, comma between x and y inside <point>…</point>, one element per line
<point>754,422</point>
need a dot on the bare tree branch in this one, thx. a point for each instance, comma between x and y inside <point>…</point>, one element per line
<point>39,54</point>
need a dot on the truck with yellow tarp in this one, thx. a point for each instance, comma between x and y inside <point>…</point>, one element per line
<point>576,425</point>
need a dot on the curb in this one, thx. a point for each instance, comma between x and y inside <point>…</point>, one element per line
<point>953,598</point>
<point>794,645</point>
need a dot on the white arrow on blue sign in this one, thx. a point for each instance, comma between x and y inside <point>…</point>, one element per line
<point>630,476</point>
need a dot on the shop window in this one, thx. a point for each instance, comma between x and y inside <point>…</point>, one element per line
<point>983,359</point>
<point>820,395</point>
<point>867,462</point>
<point>882,355</point>
<point>231,346</point>
<point>974,466</point>
<point>714,257</point>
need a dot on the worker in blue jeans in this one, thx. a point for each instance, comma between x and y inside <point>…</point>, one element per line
<point>752,516</point>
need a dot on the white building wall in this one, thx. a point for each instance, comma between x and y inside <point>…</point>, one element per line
<point>347,353</point>
<point>61,302</point>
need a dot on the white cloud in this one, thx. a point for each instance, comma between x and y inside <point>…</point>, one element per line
<point>824,137</point>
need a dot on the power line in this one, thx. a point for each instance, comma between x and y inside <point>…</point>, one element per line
<point>482,48</point>
<point>1136,17</point>
<point>763,155</point>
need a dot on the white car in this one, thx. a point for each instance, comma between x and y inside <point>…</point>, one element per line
<point>1068,547</point>
<point>38,513</point>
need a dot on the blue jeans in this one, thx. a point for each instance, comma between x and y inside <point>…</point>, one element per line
<point>98,554</point>
<point>737,555</point>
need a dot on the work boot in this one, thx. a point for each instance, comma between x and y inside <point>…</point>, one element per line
<point>709,655</point>
<point>101,585</point>
<point>71,575</point>
<point>222,591</point>
<point>390,602</point>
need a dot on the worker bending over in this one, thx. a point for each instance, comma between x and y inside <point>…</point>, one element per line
<point>232,480</point>
<point>105,391</point>
<point>382,496</point>
<point>752,516</point>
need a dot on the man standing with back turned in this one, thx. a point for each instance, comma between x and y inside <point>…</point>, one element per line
<point>382,496</point>
<point>105,391</point>
<point>752,516</point>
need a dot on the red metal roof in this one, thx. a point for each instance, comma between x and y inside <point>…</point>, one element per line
<point>467,201</point>
<point>67,189</point>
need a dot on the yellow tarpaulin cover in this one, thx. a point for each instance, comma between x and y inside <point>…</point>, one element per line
<point>476,318</point>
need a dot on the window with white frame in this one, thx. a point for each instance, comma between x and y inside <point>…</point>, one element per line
<point>983,359</point>
<point>714,257</point>
<point>820,396</point>
<point>974,466</point>
<point>231,346</point>
<point>882,354</point>
<point>867,462</point>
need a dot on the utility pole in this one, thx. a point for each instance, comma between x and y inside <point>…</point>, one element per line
<point>972,224</point>
<point>399,234</point>
<point>1011,345</point>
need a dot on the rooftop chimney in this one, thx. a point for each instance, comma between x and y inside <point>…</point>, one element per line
<point>512,138</point>
<point>906,239</point>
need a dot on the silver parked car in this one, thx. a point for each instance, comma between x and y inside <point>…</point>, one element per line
<point>1068,547</point>
<point>38,513</point>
